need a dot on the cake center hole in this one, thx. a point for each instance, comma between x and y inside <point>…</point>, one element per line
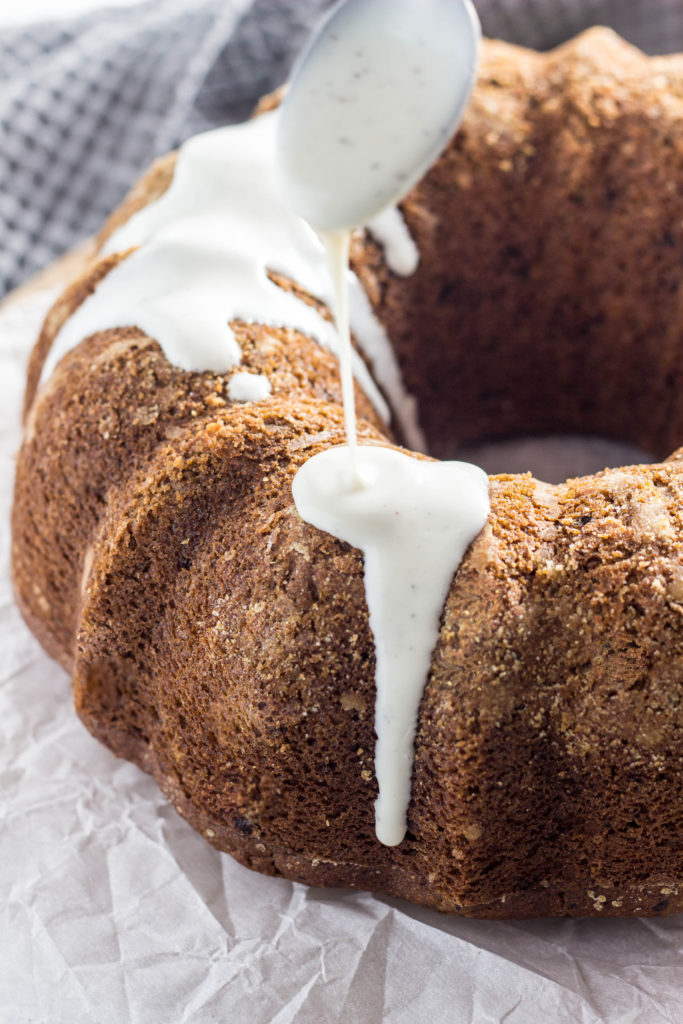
<point>553,457</point>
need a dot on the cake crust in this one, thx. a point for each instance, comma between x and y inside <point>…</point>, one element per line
<point>222,644</point>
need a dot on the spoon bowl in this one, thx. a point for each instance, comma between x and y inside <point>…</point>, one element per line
<point>373,99</point>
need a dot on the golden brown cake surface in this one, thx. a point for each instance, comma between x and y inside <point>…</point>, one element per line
<point>223,645</point>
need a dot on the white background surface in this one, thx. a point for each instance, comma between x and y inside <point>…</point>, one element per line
<point>114,911</point>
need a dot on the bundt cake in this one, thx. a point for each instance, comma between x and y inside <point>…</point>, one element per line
<point>223,644</point>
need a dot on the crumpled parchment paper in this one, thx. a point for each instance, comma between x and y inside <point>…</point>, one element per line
<point>114,911</point>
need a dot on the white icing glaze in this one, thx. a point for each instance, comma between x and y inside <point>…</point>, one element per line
<point>400,252</point>
<point>204,251</point>
<point>375,96</point>
<point>248,387</point>
<point>372,102</point>
<point>413,521</point>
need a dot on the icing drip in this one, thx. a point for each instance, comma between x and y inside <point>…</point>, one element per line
<point>400,252</point>
<point>413,520</point>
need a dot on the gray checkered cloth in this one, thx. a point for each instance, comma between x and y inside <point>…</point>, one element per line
<point>86,104</point>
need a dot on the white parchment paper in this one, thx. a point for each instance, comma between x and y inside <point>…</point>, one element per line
<point>113,911</point>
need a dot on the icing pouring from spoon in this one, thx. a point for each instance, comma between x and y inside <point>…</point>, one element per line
<point>373,99</point>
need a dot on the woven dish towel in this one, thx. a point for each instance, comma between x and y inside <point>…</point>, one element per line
<point>86,104</point>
